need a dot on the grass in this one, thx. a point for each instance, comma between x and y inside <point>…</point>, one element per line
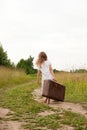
<point>76,86</point>
<point>16,94</point>
<point>10,77</point>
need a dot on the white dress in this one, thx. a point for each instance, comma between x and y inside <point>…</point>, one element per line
<point>46,75</point>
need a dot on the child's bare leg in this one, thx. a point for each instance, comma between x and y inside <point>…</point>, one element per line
<point>45,100</point>
<point>48,101</point>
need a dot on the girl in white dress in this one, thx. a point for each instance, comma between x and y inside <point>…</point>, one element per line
<point>44,67</point>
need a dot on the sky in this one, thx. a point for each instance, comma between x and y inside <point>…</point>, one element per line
<point>57,27</point>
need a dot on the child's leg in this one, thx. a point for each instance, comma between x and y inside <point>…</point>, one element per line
<point>45,100</point>
<point>48,101</point>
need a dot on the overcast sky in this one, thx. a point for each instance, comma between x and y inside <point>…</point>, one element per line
<point>58,27</point>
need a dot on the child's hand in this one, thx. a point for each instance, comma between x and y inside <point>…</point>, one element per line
<point>55,80</point>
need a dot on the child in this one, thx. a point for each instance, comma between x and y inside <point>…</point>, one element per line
<point>44,67</point>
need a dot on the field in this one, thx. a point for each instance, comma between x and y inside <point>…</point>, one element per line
<point>16,94</point>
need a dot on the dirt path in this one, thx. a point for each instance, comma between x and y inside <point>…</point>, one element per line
<point>8,125</point>
<point>74,107</point>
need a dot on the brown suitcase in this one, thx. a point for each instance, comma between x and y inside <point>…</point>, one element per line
<point>53,90</point>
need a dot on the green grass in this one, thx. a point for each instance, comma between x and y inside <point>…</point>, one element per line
<point>76,92</point>
<point>76,86</point>
<point>16,94</point>
<point>20,99</point>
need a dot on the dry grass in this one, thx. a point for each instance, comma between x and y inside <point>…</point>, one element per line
<point>10,76</point>
<point>67,77</point>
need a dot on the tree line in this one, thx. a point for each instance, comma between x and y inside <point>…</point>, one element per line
<point>26,65</point>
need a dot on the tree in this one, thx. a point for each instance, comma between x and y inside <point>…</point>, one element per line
<point>21,64</point>
<point>27,65</point>
<point>4,58</point>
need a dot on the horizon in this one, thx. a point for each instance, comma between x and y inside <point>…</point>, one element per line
<point>68,70</point>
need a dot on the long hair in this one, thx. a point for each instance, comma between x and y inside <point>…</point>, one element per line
<point>41,58</point>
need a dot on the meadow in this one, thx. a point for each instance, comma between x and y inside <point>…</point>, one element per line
<point>16,94</point>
